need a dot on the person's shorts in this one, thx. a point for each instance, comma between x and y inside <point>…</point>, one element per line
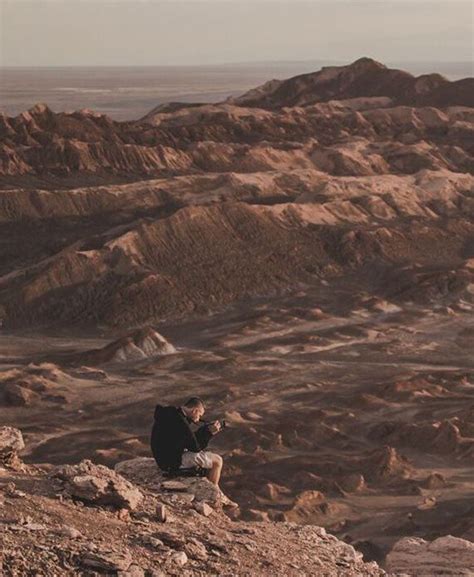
<point>202,459</point>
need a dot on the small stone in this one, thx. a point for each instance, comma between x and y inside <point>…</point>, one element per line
<point>203,508</point>
<point>196,550</point>
<point>161,514</point>
<point>132,571</point>
<point>123,514</point>
<point>176,486</point>
<point>179,558</point>
<point>107,560</point>
<point>154,542</point>
<point>182,499</point>
<point>256,515</point>
<point>35,527</point>
<point>172,539</point>
<point>66,531</point>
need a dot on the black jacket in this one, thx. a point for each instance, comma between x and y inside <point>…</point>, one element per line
<point>172,434</point>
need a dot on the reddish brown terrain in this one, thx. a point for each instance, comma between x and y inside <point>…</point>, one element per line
<point>302,257</point>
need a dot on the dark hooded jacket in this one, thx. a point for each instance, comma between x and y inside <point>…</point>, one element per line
<point>172,435</point>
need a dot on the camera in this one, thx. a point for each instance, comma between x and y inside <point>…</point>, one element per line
<point>222,422</point>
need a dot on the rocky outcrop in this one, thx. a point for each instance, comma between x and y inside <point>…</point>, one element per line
<point>140,345</point>
<point>195,537</point>
<point>443,556</point>
<point>44,383</point>
<point>144,471</point>
<point>98,484</point>
<point>141,470</point>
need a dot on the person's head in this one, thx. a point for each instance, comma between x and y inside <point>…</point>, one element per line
<point>194,409</point>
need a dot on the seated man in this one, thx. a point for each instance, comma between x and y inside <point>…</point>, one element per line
<point>175,445</point>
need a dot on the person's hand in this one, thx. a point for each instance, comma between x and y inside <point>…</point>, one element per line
<point>215,427</point>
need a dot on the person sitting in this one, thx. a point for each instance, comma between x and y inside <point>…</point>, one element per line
<point>176,446</point>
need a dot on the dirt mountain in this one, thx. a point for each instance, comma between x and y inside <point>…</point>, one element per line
<point>211,254</point>
<point>409,122</point>
<point>364,77</point>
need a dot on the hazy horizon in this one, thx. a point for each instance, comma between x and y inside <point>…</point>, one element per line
<point>245,63</point>
<point>98,33</point>
<point>127,93</point>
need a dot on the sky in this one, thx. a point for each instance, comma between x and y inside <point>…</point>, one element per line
<point>202,32</point>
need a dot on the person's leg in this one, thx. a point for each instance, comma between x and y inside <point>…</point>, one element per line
<point>207,460</point>
<point>215,471</point>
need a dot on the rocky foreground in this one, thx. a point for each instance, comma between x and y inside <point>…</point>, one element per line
<point>87,519</point>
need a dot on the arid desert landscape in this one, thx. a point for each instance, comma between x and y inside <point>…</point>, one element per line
<point>302,258</point>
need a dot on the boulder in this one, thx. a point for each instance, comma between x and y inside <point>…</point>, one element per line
<point>444,556</point>
<point>179,558</point>
<point>99,485</point>
<point>204,490</point>
<point>203,508</point>
<point>143,471</point>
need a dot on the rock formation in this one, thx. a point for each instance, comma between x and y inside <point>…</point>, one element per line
<point>98,484</point>
<point>443,556</point>
<point>96,523</point>
<point>44,383</point>
<point>142,344</point>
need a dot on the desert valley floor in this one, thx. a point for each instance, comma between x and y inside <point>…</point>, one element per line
<point>348,419</point>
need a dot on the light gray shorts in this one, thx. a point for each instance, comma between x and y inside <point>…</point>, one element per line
<point>202,459</point>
